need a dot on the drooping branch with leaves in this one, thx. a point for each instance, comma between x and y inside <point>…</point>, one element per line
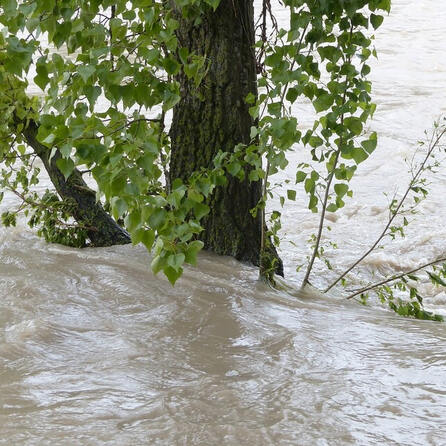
<point>111,71</point>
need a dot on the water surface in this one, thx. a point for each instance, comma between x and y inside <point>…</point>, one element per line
<point>94,350</point>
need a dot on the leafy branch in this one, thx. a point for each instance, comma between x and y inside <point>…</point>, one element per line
<point>329,182</point>
<point>397,277</point>
<point>435,141</point>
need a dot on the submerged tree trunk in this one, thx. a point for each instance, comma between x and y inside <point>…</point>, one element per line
<point>102,229</point>
<point>218,119</point>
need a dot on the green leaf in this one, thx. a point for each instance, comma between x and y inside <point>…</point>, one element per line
<point>86,71</point>
<point>291,194</point>
<point>200,210</point>
<point>371,143</point>
<point>137,236</point>
<point>92,93</point>
<point>213,3</point>
<point>234,168</point>
<point>309,185</point>
<point>148,239</point>
<point>300,176</point>
<point>359,155</point>
<point>254,132</point>
<point>341,189</point>
<point>175,197</point>
<point>275,108</point>
<point>49,139</point>
<point>170,99</point>
<point>119,208</point>
<point>436,279</point>
<point>172,274</point>
<point>195,196</point>
<point>176,261</point>
<point>250,99</point>
<point>65,150</point>
<point>323,102</point>
<point>192,250</point>
<point>292,95</point>
<point>42,79</point>
<point>133,220</point>
<point>171,66</point>
<point>158,218</point>
<point>158,263</point>
<point>66,166</point>
<point>315,141</point>
<point>354,125</point>
<point>376,20</point>
<point>313,203</point>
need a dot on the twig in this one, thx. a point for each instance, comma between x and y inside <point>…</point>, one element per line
<point>263,234</point>
<point>113,15</point>
<point>26,200</point>
<point>120,128</point>
<point>162,155</point>
<point>392,279</point>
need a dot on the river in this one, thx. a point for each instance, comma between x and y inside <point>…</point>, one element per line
<point>94,350</point>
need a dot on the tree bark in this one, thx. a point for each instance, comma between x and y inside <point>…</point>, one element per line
<point>215,117</point>
<point>102,229</point>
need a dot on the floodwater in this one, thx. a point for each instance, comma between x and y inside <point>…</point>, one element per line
<point>94,350</point>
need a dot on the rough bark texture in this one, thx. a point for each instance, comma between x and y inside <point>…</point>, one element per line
<point>218,119</point>
<point>105,231</point>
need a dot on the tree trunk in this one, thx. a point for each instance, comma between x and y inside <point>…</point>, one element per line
<point>104,230</point>
<point>218,119</point>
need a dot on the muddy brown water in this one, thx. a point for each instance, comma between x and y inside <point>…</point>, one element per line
<point>94,350</point>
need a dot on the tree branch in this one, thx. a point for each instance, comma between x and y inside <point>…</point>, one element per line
<point>330,180</point>
<point>392,279</point>
<point>394,214</point>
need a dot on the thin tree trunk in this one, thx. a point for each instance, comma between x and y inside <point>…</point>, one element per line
<point>215,117</point>
<point>104,230</point>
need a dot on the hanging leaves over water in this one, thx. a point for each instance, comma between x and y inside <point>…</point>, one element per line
<point>128,53</point>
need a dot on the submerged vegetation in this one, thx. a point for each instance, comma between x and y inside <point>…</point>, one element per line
<point>113,74</point>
